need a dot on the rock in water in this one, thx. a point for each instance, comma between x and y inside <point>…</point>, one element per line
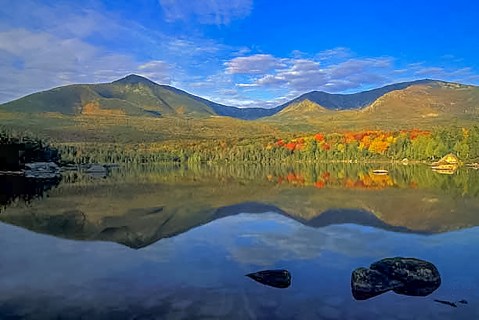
<point>273,278</point>
<point>408,276</point>
<point>419,277</point>
<point>42,170</point>
<point>367,283</point>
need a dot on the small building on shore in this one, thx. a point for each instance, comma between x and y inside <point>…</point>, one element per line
<point>447,164</point>
<point>450,159</point>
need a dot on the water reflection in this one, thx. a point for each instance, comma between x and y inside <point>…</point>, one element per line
<point>200,273</point>
<point>139,206</point>
<point>199,230</point>
<point>19,188</point>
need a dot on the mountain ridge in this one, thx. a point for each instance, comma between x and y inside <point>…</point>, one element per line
<point>138,96</point>
<point>358,100</point>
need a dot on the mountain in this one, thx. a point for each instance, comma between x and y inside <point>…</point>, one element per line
<point>416,102</point>
<point>354,100</point>
<point>429,100</point>
<point>241,113</point>
<point>132,95</point>
<point>227,111</point>
<point>419,104</point>
<point>300,111</point>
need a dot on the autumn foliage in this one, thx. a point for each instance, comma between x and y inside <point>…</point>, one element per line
<point>370,141</point>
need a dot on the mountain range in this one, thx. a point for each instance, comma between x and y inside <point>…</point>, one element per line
<point>137,96</point>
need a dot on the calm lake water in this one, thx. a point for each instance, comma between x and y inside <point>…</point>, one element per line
<point>176,243</point>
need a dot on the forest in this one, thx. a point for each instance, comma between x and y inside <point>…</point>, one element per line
<point>361,146</point>
<point>357,146</point>
<point>20,147</point>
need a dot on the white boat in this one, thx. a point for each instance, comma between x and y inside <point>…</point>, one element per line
<point>380,171</point>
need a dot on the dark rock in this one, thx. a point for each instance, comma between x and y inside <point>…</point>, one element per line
<point>367,283</point>
<point>407,276</point>
<point>273,278</point>
<point>419,277</point>
<point>42,170</point>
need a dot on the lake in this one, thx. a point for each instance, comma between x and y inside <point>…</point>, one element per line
<point>168,242</point>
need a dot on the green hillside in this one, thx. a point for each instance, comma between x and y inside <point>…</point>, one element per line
<point>303,110</point>
<point>135,109</point>
<point>353,100</point>
<point>132,95</point>
<point>424,105</point>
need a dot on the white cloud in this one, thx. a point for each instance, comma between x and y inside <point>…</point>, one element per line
<point>156,70</point>
<point>247,85</point>
<point>255,64</point>
<point>336,53</point>
<point>462,75</point>
<point>219,12</point>
<point>41,61</point>
<point>429,71</point>
<point>301,75</point>
<point>44,46</point>
<point>52,43</point>
<point>295,241</point>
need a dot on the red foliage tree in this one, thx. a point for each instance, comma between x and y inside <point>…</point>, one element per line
<point>319,137</point>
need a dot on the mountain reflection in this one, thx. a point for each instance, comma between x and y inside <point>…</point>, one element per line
<point>139,206</point>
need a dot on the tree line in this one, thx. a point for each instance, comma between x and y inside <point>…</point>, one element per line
<point>31,147</point>
<point>361,146</point>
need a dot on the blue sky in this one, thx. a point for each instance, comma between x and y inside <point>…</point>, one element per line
<point>237,52</point>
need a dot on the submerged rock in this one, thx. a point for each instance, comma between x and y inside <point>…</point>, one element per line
<point>447,303</point>
<point>451,303</point>
<point>407,276</point>
<point>273,278</point>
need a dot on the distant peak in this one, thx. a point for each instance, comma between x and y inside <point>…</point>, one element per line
<point>134,79</point>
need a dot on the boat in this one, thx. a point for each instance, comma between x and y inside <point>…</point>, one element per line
<point>380,171</point>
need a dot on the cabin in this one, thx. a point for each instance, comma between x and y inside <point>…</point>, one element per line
<point>11,156</point>
<point>448,159</point>
<point>447,164</point>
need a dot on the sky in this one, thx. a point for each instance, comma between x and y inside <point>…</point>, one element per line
<point>243,53</point>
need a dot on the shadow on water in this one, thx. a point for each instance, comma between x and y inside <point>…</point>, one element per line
<point>19,188</point>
